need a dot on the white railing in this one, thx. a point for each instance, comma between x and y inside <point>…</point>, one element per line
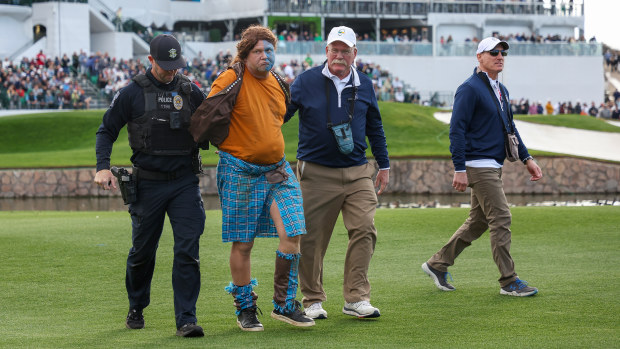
<point>103,8</point>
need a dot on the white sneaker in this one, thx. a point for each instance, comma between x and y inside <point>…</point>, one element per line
<point>316,311</point>
<point>361,309</point>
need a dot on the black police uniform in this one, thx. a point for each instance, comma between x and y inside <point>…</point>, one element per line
<point>166,184</point>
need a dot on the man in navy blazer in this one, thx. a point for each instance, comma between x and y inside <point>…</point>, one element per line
<point>479,128</point>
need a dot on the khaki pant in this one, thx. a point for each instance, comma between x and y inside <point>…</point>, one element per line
<point>489,209</point>
<point>327,191</point>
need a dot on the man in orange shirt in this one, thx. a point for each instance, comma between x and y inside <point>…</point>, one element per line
<point>259,195</point>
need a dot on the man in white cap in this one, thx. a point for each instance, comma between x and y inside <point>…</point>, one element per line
<point>337,111</point>
<point>480,128</point>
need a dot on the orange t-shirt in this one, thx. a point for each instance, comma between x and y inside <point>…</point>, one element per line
<point>255,132</point>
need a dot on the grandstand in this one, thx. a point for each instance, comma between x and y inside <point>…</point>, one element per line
<point>428,44</point>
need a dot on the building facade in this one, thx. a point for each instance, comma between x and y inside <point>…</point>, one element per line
<point>428,44</point>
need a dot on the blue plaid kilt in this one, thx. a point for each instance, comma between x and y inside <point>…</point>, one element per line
<point>246,196</point>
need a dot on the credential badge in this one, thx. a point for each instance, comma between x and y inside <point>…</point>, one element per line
<point>178,102</point>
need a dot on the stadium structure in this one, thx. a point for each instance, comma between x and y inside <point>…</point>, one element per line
<point>438,54</point>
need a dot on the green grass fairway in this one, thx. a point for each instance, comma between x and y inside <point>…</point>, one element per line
<point>63,285</point>
<point>68,139</point>
<point>61,139</point>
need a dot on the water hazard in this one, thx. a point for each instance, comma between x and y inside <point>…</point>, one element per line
<point>211,202</point>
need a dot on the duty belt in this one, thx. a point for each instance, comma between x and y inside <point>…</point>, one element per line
<point>141,173</point>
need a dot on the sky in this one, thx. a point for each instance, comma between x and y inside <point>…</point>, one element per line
<point>602,20</point>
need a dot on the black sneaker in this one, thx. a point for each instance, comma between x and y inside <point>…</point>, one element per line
<point>247,320</point>
<point>439,277</point>
<point>518,288</point>
<point>135,320</point>
<point>190,329</point>
<point>295,318</point>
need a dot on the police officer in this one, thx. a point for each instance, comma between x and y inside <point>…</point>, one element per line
<point>157,107</point>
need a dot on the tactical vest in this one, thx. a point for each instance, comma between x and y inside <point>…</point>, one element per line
<point>162,129</point>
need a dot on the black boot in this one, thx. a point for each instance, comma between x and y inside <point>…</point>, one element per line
<point>247,320</point>
<point>245,302</point>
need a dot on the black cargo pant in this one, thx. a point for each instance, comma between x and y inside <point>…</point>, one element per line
<point>180,199</point>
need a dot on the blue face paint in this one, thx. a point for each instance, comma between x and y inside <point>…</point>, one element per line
<point>270,52</point>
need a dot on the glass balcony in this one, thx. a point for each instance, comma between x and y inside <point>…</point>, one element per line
<point>423,7</point>
<point>464,49</point>
<point>527,49</point>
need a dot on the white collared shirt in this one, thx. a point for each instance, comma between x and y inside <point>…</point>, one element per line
<point>341,84</point>
<point>496,89</point>
<point>482,163</point>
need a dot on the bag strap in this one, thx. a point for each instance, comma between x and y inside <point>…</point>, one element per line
<point>484,78</point>
<point>239,69</point>
<point>283,86</point>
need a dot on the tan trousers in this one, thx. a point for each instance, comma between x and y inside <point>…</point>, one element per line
<point>327,191</point>
<point>489,209</point>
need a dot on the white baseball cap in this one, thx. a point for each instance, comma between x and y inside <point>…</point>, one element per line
<point>342,33</point>
<point>489,43</point>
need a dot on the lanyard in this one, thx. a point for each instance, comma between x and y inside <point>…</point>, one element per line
<point>351,101</point>
<point>501,100</point>
<point>485,80</point>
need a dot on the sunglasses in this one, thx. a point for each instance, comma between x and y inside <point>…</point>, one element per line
<point>494,53</point>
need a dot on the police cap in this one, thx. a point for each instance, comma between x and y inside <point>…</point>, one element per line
<point>166,51</point>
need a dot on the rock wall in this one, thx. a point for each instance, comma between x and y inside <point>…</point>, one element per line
<point>560,176</point>
<point>415,176</point>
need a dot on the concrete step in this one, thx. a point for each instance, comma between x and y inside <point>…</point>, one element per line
<point>98,101</point>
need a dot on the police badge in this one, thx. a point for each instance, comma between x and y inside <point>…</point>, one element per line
<point>177,101</point>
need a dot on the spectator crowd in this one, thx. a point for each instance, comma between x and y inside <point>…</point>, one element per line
<point>53,83</point>
<point>611,60</point>
<point>203,71</point>
<point>610,109</point>
<point>41,83</point>
<point>524,38</point>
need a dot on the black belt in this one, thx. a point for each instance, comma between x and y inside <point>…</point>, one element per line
<point>141,173</point>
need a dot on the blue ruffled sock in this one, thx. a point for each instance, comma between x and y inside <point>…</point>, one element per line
<point>244,295</point>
